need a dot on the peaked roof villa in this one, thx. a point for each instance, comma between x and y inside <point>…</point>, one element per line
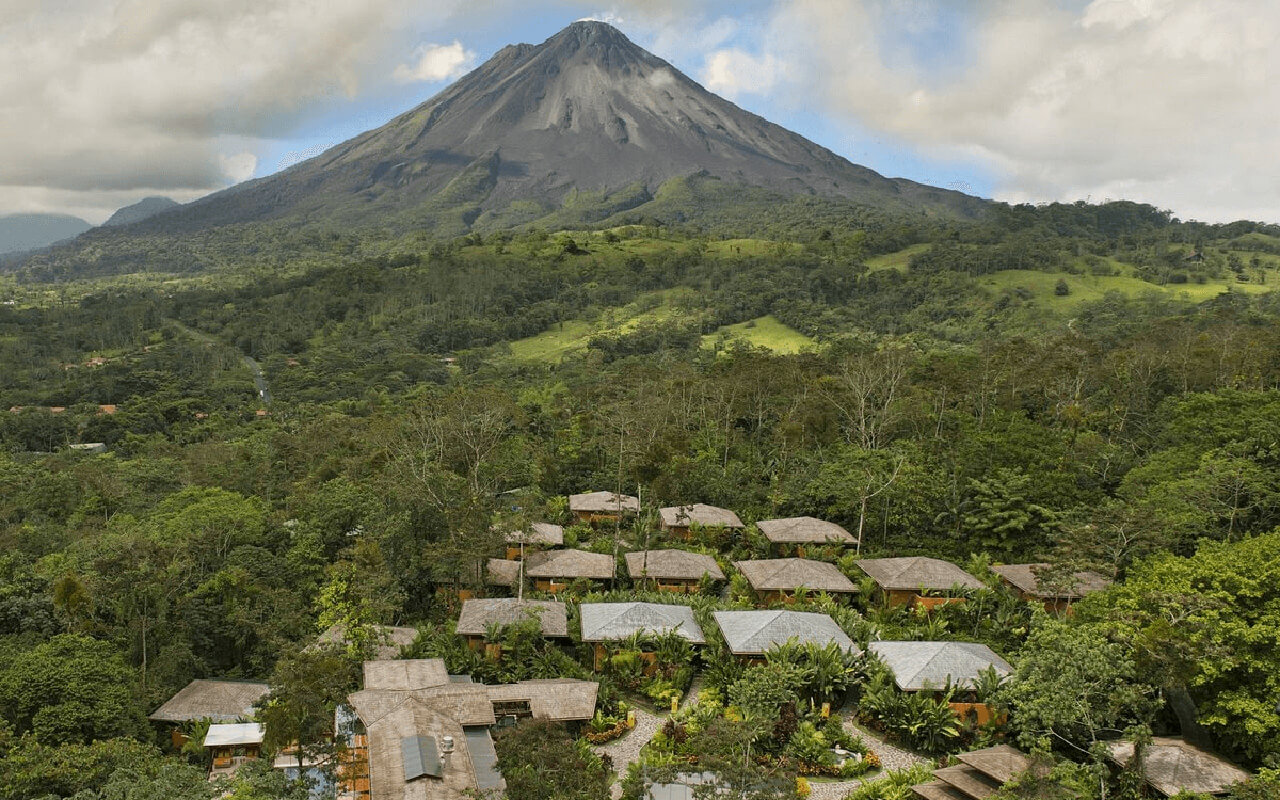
<point>700,514</point>
<point>569,564</point>
<point>478,614</point>
<point>804,530</point>
<point>603,503</point>
<point>219,701</point>
<point>978,775</point>
<point>428,731</point>
<point>501,572</point>
<point>917,572</point>
<point>1172,766</point>
<point>1032,580</point>
<point>789,574</point>
<point>679,565</point>
<point>917,666</point>
<point>390,639</point>
<point>753,633</point>
<point>539,533</point>
<point>610,621</point>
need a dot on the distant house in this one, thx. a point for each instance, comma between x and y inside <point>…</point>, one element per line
<point>538,535</point>
<point>1171,767</point>
<point>678,519</point>
<point>595,507</point>
<point>553,570</point>
<point>778,579</point>
<point>388,641</point>
<point>606,622</point>
<point>214,700</point>
<point>478,614</point>
<point>428,732</point>
<point>751,634</point>
<point>792,534</point>
<point>89,447</point>
<point>1036,582</point>
<point>903,581</point>
<point>979,775</point>
<point>231,745</point>
<point>673,570</point>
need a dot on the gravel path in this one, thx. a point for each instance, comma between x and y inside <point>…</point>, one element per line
<point>890,758</point>
<point>625,750</point>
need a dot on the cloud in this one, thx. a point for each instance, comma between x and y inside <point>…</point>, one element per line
<point>110,100</point>
<point>436,62</point>
<point>1172,102</point>
<point>733,72</point>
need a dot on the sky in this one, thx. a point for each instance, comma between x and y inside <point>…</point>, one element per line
<point>1170,102</point>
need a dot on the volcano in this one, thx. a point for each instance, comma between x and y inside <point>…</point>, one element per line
<point>585,114</point>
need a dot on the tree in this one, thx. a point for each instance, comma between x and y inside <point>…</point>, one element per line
<point>1061,289</point>
<point>1072,687</point>
<point>70,689</point>
<point>1001,516</point>
<point>540,761</point>
<point>359,595</point>
<point>305,689</point>
<point>1207,625</point>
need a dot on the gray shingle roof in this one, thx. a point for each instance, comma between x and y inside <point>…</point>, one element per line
<point>1173,766</point>
<point>787,574</point>
<point>478,614</point>
<point>673,565</point>
<point>603,503</point>
<point>915,664</point>
<point>1027,577</point>
<point>543,533</point>
<point>917,572</point>
<point>569,564</point>
<point>755,632</point>
<point>700,513</point>
<point>606,621</point>
<point>220,701</point>
<point>804,530</point>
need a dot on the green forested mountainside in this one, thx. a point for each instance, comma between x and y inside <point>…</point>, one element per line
<point>946,398</point>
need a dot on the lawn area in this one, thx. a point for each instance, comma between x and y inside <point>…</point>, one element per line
<point>1093,287</point>
<point>896,260</point>
<point>765,332</point>
<point>751,247</point>
<point>571,336</point>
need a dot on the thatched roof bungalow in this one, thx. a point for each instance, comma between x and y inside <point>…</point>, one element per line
<point>1040,582</point>
<point>902,579</point>
<point>612,621</point>
<point>673,570</point>
<point>552,570</point>
<point>678,519</point>
<point>1172,767</point>
<point>478,614</point>
<point>775,579</point>
<point>218,701</point>
<point>602,506</point>
<point>796,532</point>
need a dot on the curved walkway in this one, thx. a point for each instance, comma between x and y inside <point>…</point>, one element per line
<point>626,750</point>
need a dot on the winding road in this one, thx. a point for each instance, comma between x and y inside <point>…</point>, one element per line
<point>259,380</point>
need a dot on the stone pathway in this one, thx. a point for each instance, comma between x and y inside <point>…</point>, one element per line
<point>626,750</point>
<point>890,758</point>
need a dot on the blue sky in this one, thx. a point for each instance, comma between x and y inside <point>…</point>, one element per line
<point>1169,102</point>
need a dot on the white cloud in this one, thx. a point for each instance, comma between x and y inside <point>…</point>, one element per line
<point>238,167</point>
<point>110,101</point>
<point>733,72</point>
<point>436,62</point>
<point>1172,102</point>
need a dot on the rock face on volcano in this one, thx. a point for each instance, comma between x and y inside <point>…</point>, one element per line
<point>587,111</point>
